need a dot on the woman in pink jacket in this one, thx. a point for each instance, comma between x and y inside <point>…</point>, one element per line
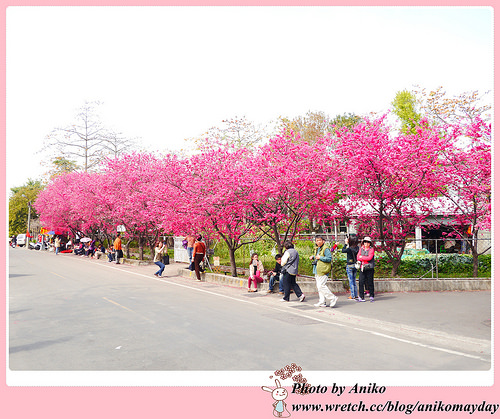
<point>366,256</point>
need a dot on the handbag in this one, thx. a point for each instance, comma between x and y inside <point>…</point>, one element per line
<point>357,265</point>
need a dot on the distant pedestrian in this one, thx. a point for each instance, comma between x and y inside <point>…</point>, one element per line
<point>57,244</point>
<point>159,249</point>
<point>276,275</point>
<point>117,247</point>
<point>322,265</point>
<point>111,254</point>
<point>366,256</point>
<point>190,246</point>
<point>290,269</point>
<point>351,248</point>
<point>199,250</point>
<point>256,269</point>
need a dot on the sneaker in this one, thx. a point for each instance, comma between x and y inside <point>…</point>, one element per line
<point>286,301</point>
<point>320,305</point>
<point>281,292</point>
<point>269,291</point>
<point>333,302</point>
<point>372,299</point>
<point>361,300</point>
<point>302,298</point>
<point>351,298</point>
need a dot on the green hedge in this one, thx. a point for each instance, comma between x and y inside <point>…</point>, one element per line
<point>450,265</point>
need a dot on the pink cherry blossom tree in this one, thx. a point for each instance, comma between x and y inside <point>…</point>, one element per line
<point>466,185</point>
<point>389,180</point>
<point>295,185</point>
<point>131,193</point>
<point>215,191</point>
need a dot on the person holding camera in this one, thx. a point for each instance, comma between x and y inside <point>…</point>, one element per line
<point>322,265</point>
<point>160,247</point>
<point>352,249</point>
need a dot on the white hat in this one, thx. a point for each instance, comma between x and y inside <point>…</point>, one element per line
<point>367,239</point>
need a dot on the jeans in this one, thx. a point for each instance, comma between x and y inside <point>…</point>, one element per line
<point>190,253</point>
<point>366,277</point>
<point>351,275</point>
<point>161,266</point>
<point>273,279</point>
<point>289,284</point>
<point>111,257</point>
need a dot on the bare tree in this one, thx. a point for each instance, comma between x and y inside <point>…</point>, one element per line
<point>235,132</point>
<point>87,141</point>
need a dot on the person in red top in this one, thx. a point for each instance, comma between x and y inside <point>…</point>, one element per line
<point>367,257</point>
<point>199,251</point>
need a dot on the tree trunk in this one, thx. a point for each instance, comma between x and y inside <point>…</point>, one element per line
<point>232,259</point>
<point>277,239</point>
<point>395,267</point>
<point>475,258</point>
<point>127,248</point>
<point>141,248</point>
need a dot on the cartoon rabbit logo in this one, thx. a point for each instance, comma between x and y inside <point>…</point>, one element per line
<point>279,394</point>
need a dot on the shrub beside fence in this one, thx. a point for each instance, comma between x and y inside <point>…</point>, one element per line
<point>449,265</point>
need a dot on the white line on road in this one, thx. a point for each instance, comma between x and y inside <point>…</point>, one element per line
<point>410,342</point>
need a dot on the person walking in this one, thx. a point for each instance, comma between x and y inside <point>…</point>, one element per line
<point>117,247</point>
<point>366,256</point>
<point>160,247</point>
<point>255,270</point>
<point>351,248</point>
<point>57,244</point>
<point>290,269</point>
<point>199,250</point>
<point>322,266</point>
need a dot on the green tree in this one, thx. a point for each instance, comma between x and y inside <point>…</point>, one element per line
<point>20,199</point>
<point>405,107</point>
<point>348,120</point>
<point>61,165</point>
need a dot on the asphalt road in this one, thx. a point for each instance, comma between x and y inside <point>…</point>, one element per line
<point>68,313</point>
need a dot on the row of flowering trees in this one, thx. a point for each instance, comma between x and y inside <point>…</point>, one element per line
<point>385,180</point>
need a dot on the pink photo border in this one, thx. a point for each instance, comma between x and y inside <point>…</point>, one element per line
<point>190,402</point>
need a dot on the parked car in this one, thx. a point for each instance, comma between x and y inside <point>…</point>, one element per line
<point>21,240</point>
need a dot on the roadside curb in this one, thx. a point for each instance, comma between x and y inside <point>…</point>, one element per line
<point>337,287</point>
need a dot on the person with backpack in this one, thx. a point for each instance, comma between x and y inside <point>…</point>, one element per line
<point>322,265</point>
<point>351,249</point>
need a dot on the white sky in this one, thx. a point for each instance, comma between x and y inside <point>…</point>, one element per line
<point>169,73</point>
